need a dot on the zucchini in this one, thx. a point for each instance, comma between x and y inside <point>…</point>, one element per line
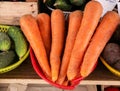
<point>63,5</point>
<point>5,42</point>
<point>77,2</point>
<point>19,40</point>
<point>6,58</point>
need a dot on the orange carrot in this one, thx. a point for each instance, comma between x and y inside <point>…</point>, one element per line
<point>102,35</point>
<point>119,20</point>
<point>75,18</point>
<point>30,29</point>
<point>58,35</point>
<point>65,83</point>
<point>43,20</point>
<point>91,17</point>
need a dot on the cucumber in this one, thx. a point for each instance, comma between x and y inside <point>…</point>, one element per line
<point>5,42</point>
<point>63,5</point>
<point>77,2</point>
<point>6,58</point>
<point>19,40</point>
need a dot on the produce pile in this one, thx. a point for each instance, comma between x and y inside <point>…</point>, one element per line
<point>66,5</point>
<point>13,45</point>
<point>66,51</point>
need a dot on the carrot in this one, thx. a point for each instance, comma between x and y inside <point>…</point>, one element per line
<point>30,29</point>
<point>43,20</point>
<point>119,20</point>
<point>65,83</point>
<point>102,35</point>
<point>91,17</point>
<point>58,35</point>
<point>75,18</point>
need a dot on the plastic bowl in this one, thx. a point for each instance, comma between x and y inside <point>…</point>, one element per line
<point>110,68</point>
<point>39,71</point>
<point>4,28</point>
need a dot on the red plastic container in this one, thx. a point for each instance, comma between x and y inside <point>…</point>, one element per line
<point>38,70</point>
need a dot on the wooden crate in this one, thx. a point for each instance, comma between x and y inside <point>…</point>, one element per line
<point>10,12</point>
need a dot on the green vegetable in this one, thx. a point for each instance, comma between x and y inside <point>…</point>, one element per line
<point>5,42</point>
<point>49,2</point>
<point>63,5</point>
<point>77,2</point>
<point>19,40</point>
<point>6,58</point>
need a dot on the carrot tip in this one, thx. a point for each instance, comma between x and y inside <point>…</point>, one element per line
<point>54,79</point>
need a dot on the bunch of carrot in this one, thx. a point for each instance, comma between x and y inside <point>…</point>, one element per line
<point>65,57</point>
